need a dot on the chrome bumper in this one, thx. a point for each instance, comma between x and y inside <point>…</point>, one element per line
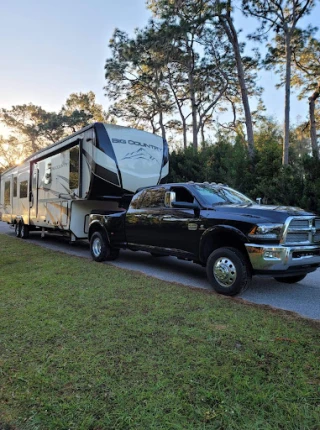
<point>281,258</point>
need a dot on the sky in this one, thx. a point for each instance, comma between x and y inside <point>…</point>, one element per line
<point>52,49</point>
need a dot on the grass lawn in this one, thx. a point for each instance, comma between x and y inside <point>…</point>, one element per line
<point>85,346</point>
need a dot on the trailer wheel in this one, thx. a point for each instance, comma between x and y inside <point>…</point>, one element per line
<point>228,271</point>
<point>24,231</point>
<point>290,279</point>
<point>17,229</point>
<point>99,247</point>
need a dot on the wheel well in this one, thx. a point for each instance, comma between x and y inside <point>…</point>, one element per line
<point>97,227</point>
<point>221,239</point>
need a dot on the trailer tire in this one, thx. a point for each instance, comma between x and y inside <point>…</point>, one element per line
<point>24,231</point>
<point>290,279</point>
<point>99,247</point>
<point>228,271</point>
<point>17,229</point>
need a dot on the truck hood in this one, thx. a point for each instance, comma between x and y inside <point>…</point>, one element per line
<point>261,213</point>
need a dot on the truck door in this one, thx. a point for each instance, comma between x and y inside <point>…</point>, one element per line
<point>180,227</point>
<point>144,216</point>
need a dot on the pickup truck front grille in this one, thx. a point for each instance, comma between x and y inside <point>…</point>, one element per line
<point>302,231</point>
<point>295,237</point>
<point>299,223</point>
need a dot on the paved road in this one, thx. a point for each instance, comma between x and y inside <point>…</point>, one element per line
<point>303,297</point>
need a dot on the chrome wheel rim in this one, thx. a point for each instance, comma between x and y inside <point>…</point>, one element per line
<point>17,229</point>
<point>224,272</point>
<point>96,247</point>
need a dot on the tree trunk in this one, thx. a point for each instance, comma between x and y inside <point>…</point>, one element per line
<point>286,129</point>
<point>192,95</point>
<point>202,132</point>
<point>159,105</point>
<point>313,131</point>
<point>163,130</point>
<point>193,112</point>
<point>184,125</point>
<point>34,145</point>
<point>154,129</point>
<point>228,26</point>
<point>183,120</point>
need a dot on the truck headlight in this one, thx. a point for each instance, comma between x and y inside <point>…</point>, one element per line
<point>266,231</point>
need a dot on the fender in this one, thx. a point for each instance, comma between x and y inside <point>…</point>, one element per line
<point>18,219</point>
<point>219,229</point>
<point>97,224</point>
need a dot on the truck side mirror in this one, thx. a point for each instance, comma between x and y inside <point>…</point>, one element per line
<point>169,197</point>
<point>188,205</point>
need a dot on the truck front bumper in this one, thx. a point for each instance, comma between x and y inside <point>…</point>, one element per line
<point>283,259</point>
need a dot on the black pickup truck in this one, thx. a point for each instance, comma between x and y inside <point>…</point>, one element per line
<point>215,226</point>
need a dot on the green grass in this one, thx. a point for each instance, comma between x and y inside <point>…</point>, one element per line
<point>85,346</point>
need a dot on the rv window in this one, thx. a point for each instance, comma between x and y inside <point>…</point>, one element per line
<point>23,189</point>
<point>15,186</point>
<point>74,168</point>
<point>47,174</point>
<point>7,196</point>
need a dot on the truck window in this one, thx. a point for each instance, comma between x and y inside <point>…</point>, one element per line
<point>219,194</point>
<point>182,194</point>
<point>74,168</point>
<point>136,202</point>
<point>7,196</point>
<point>154,198</point>
<point>23,189</point>
<point>15,186</point>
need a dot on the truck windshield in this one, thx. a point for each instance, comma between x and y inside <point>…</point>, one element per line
<point>219,195</point>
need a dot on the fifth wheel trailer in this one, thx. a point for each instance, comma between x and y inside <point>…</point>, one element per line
<point>56,188</point>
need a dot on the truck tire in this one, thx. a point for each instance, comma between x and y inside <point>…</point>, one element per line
<point>114,254</point>
<point>24,231</point>
<point>17,229</point>
<point>290,279</point>
<point>99,247</point>
<point>228,271</point>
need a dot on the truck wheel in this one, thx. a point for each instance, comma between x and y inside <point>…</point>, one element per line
<point>24,231</point>
<point>99,247</point>
<point>290,279</point>
<point>228,271</point>
<point>113,255</point>
<point>17,229</point>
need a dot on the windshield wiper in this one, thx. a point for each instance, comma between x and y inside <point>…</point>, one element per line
<point>220,203</point>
